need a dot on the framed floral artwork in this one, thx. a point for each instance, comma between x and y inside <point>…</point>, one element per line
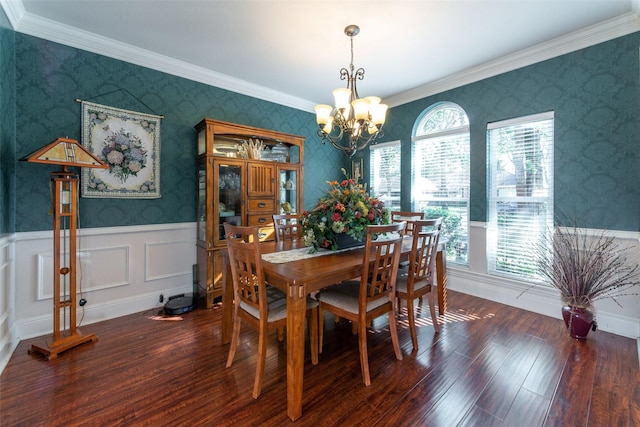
<point>129,143</point>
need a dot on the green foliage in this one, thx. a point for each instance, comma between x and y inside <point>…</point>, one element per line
<point>451,226</point>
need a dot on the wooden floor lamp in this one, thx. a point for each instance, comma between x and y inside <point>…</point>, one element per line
<point>64,194</point>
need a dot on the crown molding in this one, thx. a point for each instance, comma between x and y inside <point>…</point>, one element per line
<point>47,29</point>
<point>26,23</point>
<point>14,11</point>
<point>585,37</point>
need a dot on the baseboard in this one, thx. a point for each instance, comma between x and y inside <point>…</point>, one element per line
<point>540,299</point>
<point>8,345</point>
<point>97,312</point>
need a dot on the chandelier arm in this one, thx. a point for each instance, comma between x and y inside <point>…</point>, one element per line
<point>344,75</point>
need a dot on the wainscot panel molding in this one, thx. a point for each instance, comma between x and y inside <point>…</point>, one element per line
<point>161,261</point>
<point>121,270</point>
<point>8,336</point>
<point>94,267</point>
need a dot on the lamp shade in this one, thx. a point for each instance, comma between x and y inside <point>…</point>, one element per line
<point>66,152</point>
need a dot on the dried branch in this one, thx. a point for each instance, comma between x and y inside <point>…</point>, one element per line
<point>586,269</point>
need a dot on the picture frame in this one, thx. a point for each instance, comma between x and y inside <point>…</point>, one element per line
<point>357,171</point>
<point>129,143</point>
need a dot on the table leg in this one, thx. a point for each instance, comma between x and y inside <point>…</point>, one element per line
<point>441,273</point>
<point>296,316</point>
<point>227,299</point>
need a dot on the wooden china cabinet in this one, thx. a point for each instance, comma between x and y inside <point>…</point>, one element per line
<point>238,186</point>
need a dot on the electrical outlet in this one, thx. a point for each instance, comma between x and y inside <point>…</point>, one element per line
<point>161,298</point>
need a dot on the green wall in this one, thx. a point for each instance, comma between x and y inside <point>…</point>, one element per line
<point>595,93</point>
<point>7,126</point>
<point>50,78</point>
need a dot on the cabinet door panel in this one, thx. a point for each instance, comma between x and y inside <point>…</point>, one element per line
<point>261,179</point>
<point>290,189</point>
<point>228,197</point>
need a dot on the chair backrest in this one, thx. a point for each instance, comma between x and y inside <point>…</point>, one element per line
<point>409,217</point>
<point>422,261</point>
<point>243,244</point>
<point>287,227</point>
<point>380,262</point>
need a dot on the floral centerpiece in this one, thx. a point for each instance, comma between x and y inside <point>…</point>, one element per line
<point>346,209</point>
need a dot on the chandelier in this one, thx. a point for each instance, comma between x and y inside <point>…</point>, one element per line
<point>354,122</point>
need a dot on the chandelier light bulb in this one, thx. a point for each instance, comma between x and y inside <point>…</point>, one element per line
<point>323,113</point>
<point>342,97</point>
<point>361,109</point>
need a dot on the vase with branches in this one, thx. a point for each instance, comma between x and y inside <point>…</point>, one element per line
<point>585,268</point>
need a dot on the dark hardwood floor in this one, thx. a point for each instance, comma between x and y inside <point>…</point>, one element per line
<point>491,365</point>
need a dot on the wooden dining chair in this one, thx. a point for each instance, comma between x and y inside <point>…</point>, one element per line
<point>419,278</point>
<point>287,227</point>
<point>364,300</point>
<point>261,306</point>
<point>409,217</point>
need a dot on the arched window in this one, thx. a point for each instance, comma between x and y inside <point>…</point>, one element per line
<point>440,173</point>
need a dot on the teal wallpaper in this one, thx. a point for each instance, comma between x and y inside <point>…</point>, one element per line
<point>595,95</point>
<point>51,76</point>
<point>7,126</point>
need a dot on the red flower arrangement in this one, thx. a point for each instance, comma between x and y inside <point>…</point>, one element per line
<point>346,208</point>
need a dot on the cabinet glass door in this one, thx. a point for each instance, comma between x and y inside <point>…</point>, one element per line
<point>229,209</point>
<point>288,182</point>
<point>202,201</point>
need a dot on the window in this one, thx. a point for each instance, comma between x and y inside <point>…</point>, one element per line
<point>384,173</point>
<point>520,153</point>
<point>440,173</point>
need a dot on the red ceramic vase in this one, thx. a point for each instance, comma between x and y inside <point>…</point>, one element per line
<point>578,321</point>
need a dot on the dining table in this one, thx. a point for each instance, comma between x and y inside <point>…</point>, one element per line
<point>290,267</point>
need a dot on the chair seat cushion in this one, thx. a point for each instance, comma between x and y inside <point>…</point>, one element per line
<point>401,282</point>
<point>277,302</point>
<point>345,296</point>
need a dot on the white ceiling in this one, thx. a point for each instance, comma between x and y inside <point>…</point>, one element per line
<point>291,51</point>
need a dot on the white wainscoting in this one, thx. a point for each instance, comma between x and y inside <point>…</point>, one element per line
<point>8,336</point>
<point>121,270</point>
<point>94,267</point>
<point>624,321</point>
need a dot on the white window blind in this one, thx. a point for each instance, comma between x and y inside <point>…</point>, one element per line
<point>384,173</point>
<point>440,173</point>
<point>520,153</point>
